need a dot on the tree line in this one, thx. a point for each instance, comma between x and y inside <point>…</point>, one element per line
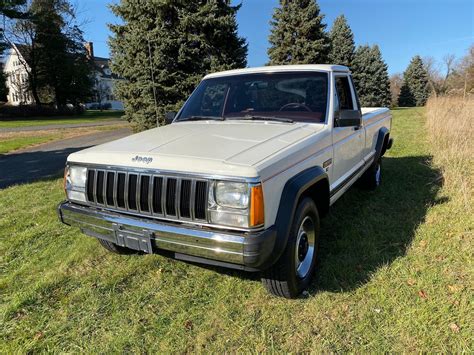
<point>426,77</point>
<point>50,44</point>
<point>163,51</point>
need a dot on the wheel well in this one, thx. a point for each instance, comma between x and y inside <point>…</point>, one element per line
<point>385,144</point>
<point>319,192</point>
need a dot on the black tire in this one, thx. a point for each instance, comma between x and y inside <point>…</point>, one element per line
<point>117,249</point>
<point>283,279</point>
<point>372,178</point>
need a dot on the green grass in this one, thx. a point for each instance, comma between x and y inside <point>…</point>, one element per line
<point>89,116</point>
<point>10,144</point>
<point>395,274</point>
<point>18,140</point>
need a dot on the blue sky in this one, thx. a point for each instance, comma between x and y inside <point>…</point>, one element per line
<point>402,28</point>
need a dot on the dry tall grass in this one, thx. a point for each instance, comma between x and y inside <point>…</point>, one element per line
<point>450,123</point>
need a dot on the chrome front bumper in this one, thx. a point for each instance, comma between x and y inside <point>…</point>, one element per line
<point>247,251</point>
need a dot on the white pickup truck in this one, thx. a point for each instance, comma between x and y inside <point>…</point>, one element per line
<point>239,178</point>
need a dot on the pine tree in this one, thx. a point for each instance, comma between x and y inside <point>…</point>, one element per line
<point>406,98</point>
<point>342,42</point>
<point>163,51</point>
<point>371,77</point>
<point>415,89</point>
<point>297,34</point>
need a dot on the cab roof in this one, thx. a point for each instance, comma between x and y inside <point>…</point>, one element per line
<point>280,69</point>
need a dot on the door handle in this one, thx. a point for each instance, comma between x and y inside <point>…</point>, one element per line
<point>356,128</point>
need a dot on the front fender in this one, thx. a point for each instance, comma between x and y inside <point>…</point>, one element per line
<point>290,196</point>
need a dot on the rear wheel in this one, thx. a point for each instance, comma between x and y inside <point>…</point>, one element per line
<point>114,248</point>
<point>293,272</point>
<point>372,178</point>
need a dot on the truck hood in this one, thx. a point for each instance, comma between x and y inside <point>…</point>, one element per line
<point>211,147</point>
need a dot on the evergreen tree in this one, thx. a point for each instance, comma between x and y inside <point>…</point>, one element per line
<point>164,50</point>
<point>297,34</point>
<point>342,43</point>
<point>415,89</point>
<point>371,78</point>
<point>406,98</point>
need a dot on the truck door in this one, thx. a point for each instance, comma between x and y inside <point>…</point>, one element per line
<point>347,141</point>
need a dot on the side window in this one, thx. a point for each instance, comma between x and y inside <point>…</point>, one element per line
<point>344,95</point>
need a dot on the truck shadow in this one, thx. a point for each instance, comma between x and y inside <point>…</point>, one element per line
<point>367,230</point>
<point>30,166</point>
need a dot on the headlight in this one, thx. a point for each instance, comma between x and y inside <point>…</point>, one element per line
<point>232,194</point>
<point>75,183</point>
<point>236,204</point>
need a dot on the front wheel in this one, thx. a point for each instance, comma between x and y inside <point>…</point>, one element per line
<point>116,249</point>
<point>293,272</point>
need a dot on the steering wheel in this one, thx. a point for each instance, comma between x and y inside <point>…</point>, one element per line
<point>295,105</point>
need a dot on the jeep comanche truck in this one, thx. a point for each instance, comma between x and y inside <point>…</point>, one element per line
<point>239,178</point>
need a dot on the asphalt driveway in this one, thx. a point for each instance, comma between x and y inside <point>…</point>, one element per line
<point>48,159</point>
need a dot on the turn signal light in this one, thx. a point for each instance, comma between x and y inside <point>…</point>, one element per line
<point>257,211</point>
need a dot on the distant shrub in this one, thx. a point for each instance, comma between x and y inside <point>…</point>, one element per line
<point>8,112</point>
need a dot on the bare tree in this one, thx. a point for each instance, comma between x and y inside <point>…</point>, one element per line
<point>49,45</point>
<point>466,71</point>
<point>449,61</point>
<point>21,36</point>
<point>434,74</point>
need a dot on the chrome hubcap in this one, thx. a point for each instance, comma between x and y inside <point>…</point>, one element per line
<point>378,175</point>
<point>304,251</point>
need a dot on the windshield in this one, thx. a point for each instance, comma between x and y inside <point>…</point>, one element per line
<point>295,96</point>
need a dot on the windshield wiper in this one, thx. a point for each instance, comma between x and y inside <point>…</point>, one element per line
<point>263,118</point>
<point>197,118</point>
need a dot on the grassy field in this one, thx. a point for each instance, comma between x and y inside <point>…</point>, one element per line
<point>89,116</point>
<point>395,274</point>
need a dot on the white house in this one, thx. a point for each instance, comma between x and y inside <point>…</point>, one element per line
<point>17,80</point>
<point>105,82</point>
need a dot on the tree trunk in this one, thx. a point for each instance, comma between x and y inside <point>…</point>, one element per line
<point>34,91</point>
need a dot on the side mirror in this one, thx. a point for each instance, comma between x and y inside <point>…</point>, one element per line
<point>169,117</point>
<point>349,118</point>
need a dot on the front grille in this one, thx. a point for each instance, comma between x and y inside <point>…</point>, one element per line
<point>171,197</point>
